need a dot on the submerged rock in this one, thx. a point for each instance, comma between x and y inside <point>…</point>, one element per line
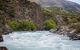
<point>3,48</point>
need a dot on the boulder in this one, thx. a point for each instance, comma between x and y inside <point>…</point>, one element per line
<point>74,37</point>
<point>3,48</point>
<point>1,38</point>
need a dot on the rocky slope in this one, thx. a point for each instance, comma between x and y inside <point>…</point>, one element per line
<point>18,10</point>
<point>67,23</point>
<point>67,5</point>
<point>68,16</point>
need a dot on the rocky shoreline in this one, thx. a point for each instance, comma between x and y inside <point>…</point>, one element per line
<point>65,30</point>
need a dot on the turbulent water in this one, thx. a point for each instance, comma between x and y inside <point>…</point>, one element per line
<point>39,40</point>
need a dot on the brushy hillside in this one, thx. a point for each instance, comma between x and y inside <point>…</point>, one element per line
<point>18,10</point>
<point>17,15</point>
<point>14,12</point>
<point>63,17</point>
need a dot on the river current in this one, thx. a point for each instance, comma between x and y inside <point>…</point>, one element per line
<point>39,40</point>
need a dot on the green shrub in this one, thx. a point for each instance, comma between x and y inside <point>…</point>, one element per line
<point>49,24</point>
<point>14,25</point>
<point>23,25</point>
<point>27,25</point>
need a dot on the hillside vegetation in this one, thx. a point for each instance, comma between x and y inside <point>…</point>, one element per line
<point>70,19</point>
<point>17,15</point>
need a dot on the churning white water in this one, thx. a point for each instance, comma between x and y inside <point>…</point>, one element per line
<point>39,40</point>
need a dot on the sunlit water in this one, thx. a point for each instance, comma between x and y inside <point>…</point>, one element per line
<point>39,40</point>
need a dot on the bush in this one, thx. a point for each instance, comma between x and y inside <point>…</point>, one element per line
<point>49,24</point>
<point>14,25</point>
<point>23,25</point>
<point>27,25</point>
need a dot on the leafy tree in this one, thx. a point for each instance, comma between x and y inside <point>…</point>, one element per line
<point>14,25</point>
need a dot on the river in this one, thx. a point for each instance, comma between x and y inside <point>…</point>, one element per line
<point>39,40</point>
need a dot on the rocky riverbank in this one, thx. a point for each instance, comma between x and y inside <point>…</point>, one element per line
<point>66,30</point>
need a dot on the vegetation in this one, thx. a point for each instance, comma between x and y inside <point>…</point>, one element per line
<point>49,24</point>
<point>8,8</point>
<point>69,17</point>
<point>23,25</point>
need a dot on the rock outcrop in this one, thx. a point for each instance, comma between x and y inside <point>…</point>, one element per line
<point>65,29</point>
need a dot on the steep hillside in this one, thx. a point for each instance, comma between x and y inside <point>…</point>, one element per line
<point>67,5</point>
<point>18,10</point>
<point>22,15</point>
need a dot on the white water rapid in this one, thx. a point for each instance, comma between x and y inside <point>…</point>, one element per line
<point>39,40</point>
